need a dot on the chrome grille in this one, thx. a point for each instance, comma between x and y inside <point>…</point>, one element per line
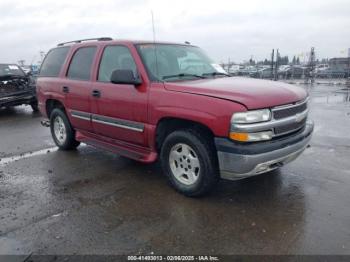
<point>287,111</point>
<point>286,119</point>
<point>289,127</point>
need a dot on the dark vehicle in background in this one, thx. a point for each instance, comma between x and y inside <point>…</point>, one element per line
<point>294,72</point>
<point>332,73</point>
<point>16,87</point>
<point>263,73</point>
<point>246,70</point>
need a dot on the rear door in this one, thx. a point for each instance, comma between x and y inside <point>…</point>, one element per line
<point>48,83</point>
<point>77,87</point>
<point>119,110</point>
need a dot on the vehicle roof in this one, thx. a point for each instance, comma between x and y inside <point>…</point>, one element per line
<point>118,41</point>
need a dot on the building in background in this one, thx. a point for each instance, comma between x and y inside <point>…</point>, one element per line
<point>340,64</point>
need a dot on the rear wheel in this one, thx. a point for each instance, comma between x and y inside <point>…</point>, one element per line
<point>190,163</point>
<point>61,130</point>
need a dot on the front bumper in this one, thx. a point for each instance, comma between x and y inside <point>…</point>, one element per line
<point>26,97</point>
<point>239,160</point>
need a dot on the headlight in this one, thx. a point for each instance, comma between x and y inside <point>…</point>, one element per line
<point>251,116</point>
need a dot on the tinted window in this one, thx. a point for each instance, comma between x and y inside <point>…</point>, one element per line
<point>113,58</point>
<point>53,62</point>
<point>80,67</point>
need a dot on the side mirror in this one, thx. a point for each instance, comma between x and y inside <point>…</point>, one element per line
<point>124,76</point>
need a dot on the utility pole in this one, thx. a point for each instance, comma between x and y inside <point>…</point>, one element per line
<point>276,66</point>
<point>348,80</point>
<point>272,58</point>
<point>348,63</point>
<point>312,65</point>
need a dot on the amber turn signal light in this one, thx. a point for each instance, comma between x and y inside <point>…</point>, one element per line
<point>243,137</point>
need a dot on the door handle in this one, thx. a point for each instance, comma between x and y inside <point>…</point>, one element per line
<point>65,89</point>
<point>96,93</point>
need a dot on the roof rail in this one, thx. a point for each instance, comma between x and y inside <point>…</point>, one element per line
<point>88,39</point>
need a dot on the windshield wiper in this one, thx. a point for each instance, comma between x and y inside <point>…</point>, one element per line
<point>183,75</point>
<point>215,74</point>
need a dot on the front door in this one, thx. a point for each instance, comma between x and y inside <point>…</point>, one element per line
<point>119,110</point>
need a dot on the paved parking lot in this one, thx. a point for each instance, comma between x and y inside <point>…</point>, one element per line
<point>93,202</point>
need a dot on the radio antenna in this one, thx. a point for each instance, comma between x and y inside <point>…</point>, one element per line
<point>154,43</point>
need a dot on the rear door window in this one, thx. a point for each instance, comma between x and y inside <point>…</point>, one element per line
<point>80,66</point>
<point>53,62</point>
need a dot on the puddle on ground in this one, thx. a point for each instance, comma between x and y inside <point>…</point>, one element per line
<point>337,97</point>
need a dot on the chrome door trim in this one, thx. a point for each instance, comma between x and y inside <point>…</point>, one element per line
<point>81,115</point>
<point>116,122</point>
<point>111,121</point>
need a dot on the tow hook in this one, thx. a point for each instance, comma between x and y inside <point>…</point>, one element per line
<point>45,123</point>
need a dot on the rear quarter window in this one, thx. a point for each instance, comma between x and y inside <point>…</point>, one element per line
<point>53,62</point>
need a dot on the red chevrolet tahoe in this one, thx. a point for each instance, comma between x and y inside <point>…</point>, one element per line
<point>150,101</point>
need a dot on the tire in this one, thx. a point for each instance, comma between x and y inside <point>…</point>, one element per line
<point>189,161</point>
<point>34,106</point>
<point>61,130</point>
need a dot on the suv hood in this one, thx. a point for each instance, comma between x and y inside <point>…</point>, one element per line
<point>253,93</point>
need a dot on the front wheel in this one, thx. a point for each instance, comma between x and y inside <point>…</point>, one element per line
<point>190,163</point>
<point>62,132</point>
<point>34,106</point>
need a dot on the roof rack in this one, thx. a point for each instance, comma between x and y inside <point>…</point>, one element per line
<point>88,39</point>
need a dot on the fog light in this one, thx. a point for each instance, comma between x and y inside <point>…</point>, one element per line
<point>262,168</point>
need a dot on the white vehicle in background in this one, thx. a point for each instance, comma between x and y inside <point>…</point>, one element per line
<point>234,69</point>
<point>321,67</point>
<point>283,68</point>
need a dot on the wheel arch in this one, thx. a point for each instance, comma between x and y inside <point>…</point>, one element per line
<point>167,125</point>
<point>51,104</point>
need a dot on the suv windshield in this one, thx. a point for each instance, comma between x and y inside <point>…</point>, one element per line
<point>10,70</point>
<point>171,62</point>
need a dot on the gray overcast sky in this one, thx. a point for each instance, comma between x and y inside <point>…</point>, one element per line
<point>235,29</point>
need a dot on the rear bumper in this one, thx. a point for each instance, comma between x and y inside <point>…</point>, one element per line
<point>237,161</point>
